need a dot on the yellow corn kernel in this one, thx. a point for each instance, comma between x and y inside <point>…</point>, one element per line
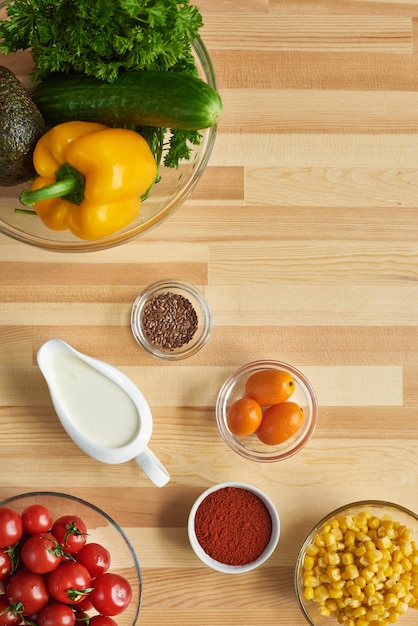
<point>373,556</point>
<point>311,581</point>
<point>347,558</point>
<point>360,581</point>
<point>401,607</point>
<point>393,618</point>
<point>367,573</point>
<point>405,533</point>
<point>309,562</point>
<point>360,551</point>
<point>406,564</point>
<point>397,555</point>
<point>308,593</point>
<point>332,558</point>
<point>334,573</point>
<point>331,605</point>
<point>321,593</point>
<point>396,566</point>
<point>351,571</point>
<point>409,599</point>
<point>349,538</point>
<point>378,609</point>
<point>391,599</point>
<point>374,522</point>
<point>312,550</point>
<point>335,593</point>
<point>370,589</point>
<point>360,611</point>
<point>355,590</point>
<point>362,622</point>
<point>384,542</point>
<point>329,540</point>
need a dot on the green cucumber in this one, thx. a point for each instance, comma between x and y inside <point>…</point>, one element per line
<point>159,99</point>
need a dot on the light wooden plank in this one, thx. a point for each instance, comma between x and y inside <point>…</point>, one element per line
<point>327,33</point>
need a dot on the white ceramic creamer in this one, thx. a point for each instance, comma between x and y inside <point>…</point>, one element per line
<point>100,408</point>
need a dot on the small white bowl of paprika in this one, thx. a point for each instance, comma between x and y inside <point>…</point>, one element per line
<point>233,527</point>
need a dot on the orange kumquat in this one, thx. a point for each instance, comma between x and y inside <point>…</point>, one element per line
<point>280,422</point>
<point>244,417</point>
<point>270,386</point>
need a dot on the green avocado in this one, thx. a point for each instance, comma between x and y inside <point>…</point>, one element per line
<point>21,125</point>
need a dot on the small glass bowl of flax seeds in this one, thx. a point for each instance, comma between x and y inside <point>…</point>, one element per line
<point>171,319</point>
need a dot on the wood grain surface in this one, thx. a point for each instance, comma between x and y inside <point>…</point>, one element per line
<point>303,234</point>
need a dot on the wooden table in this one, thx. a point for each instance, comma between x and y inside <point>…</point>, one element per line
<point>303,234</point>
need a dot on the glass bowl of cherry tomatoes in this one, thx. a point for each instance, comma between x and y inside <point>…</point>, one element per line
<point>63,562</point>
<point>267,411</point>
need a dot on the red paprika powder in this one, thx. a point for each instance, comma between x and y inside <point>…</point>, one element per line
<point>233,525</point>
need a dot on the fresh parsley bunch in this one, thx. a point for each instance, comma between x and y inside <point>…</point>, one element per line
<point>102,37</point>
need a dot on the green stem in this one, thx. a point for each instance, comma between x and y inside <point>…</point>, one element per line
<point>69,185</point>
<point>54,190</point>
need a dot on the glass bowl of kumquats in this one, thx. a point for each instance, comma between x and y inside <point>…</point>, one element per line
<point>359,567</point>
<point>267,411</point>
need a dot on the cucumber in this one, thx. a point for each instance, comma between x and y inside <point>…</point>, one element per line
<point>159,99</point>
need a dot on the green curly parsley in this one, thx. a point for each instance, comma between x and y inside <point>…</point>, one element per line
<point>102,37</point>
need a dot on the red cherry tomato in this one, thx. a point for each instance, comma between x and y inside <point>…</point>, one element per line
<point>71,532</point>
<point>36,518</point>
<point>30,589</point>
<point>9,615</point>
<point>102,620</point>
<point>6,564</point>
<point>41,553</point>
<point>111,594</point>
<point>69,582</point>
<point>84,605</point>
<point>81,618</point>
<point>11,529</point>
<point>56,614</point>
<point>95,557</point>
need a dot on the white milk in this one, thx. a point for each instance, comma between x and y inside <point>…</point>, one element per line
<point>101,411</point>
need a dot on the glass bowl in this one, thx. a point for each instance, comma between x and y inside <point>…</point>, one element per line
<point>363,600</point>
<point>217,564</point>
<point>167,195</point>
<point>167,294</point>
<point>251,447</point>
<point>101,529</point>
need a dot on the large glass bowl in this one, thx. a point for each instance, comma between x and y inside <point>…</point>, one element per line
<point>101,529</point>
<point>166,196</point>
<point>385,576</point>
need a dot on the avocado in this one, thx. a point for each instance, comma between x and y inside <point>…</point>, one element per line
<point>21,125</point>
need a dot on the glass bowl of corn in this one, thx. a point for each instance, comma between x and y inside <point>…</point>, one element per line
<point>359,567</point>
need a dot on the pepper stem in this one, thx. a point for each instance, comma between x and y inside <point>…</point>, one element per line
<point>69,185</point>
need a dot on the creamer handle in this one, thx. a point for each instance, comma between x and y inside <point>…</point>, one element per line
<point>153,467</point>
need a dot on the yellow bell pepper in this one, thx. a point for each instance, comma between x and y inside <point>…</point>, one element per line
<point>91,178</point>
